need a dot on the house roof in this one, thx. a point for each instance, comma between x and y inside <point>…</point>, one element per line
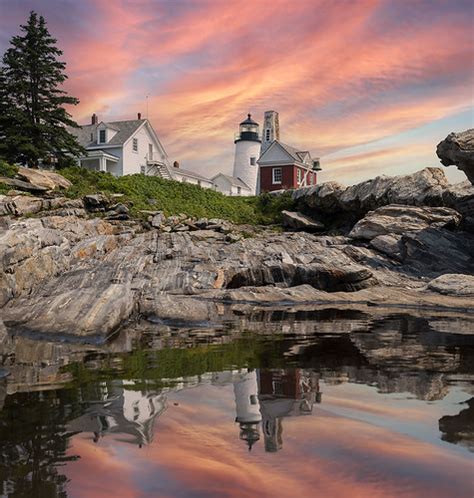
<point>297,155</point>
<point>125,129</point>
<point>192,174</point>
<point>302,157</point>
<point>237,182</point>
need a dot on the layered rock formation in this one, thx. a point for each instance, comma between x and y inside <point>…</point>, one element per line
<point>82,268</point>
<point>457,149</point>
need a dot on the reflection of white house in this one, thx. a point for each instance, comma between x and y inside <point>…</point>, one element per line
<point>123,411</point>
<point>230,185</point>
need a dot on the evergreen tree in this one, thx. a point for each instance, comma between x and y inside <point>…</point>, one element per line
<point>33,120</point>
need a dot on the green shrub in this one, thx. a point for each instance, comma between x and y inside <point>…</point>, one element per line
<point>7,169</point>
<point>155,193</point>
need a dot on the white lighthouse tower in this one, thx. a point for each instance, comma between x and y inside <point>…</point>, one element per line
<point>247,406</point>
<point>247,151</point>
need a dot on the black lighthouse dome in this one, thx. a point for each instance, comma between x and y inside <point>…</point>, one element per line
<point>248,131</point>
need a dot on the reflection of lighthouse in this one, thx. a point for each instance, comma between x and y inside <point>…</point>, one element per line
<point>247,406</point>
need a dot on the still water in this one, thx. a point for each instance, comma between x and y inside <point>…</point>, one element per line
<point>320,404</point>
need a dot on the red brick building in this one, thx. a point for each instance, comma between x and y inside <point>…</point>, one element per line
<point>283,167</point>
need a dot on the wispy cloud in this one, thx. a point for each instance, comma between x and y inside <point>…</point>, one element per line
<point>340,73</point>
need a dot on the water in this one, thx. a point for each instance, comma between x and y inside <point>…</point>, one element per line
<point>326,404</point>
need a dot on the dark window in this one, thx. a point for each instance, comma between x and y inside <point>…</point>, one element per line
<point>267,134</point>
<point>135,145</point>
<point>239,190</point>
<point>253,161</point>
<point>102,136</point>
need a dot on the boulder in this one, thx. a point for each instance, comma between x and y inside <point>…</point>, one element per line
<point>157,220</point>
<point>21,185</point>
<point>453,284</point>
<point>96,202</point>
<point>425,187</point>
<point>457,149</point>
<point>298,221</point>
<point>398,219</point>
<point>46,179</point>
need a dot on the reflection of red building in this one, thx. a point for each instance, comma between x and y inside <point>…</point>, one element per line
<point>285,393</point>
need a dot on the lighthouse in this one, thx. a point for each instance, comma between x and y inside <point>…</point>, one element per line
<point>247,151</point>
<point>247,406</point>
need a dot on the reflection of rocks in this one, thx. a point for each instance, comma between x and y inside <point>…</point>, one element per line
<point>459,429</point>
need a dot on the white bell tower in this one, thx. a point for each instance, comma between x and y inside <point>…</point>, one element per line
<point>247,151</point>
<point>271,129</point>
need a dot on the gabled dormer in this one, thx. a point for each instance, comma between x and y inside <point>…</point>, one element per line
<point>105,133</point>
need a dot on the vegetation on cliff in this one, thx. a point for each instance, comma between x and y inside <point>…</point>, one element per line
<point>145,193</point>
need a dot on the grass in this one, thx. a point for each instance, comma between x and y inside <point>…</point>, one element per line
<point>9,171</point>
<point>153,193</point>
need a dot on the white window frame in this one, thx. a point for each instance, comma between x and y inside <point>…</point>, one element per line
<point>299,176</point>
<point>274,180</point>
<point>135,145</point>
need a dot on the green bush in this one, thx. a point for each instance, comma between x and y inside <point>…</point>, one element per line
<point>7,169</point>
<point>154,193</point>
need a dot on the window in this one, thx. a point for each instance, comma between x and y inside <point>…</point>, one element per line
<point>253,399</point>
<point>102,139</point>
<point>239,190</point>
<point>199,182</point>
<point>253,161</point>
<point>298,176</point>
<point>92,137</point>
<point>276,175</point>
<point>150,152</point>
<point>267,135</point>
<point>135,145</point>
<point>142,170</point>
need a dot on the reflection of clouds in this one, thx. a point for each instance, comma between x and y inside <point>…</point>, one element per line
<point>337,456</point>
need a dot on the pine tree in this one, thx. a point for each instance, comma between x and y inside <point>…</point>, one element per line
<point>33,122</point>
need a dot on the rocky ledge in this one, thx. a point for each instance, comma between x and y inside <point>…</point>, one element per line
<point>83,269</point>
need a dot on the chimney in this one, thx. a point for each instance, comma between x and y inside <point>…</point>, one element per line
<point>139,115</point>
<point>176,164</point>
<point>94,119</point>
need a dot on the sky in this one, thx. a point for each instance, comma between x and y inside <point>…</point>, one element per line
<point>370,86</point>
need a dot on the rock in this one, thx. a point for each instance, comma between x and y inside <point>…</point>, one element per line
<point>453,284</point>
<point>96,202</point>
<point>120,209</point>
<point>388,244</point>
<point>298,221</point>
<point>397,219</point>
<point>434,251</point>
<point>458,149</point>
<point>425,187</point>
<point>158,220</point>
<point>21,185</point>
<point>47,179</point>
<point>97,311</point>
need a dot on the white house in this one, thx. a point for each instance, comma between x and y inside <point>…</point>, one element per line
<point>185,176</point>
<point>230,185</point>
<point>123,148</point>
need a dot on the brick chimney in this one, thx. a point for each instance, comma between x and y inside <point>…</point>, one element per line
<point>139,115</point>
<point>94,119</point>
<point>176,164</point>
